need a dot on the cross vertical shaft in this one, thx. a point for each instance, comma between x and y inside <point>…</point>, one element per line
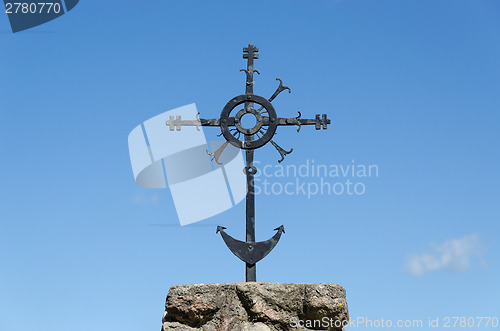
<point>251,272</point>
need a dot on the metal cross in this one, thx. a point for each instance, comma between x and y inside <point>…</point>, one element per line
<point>267,122</point>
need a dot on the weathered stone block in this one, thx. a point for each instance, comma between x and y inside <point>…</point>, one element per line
<point>255,307</point>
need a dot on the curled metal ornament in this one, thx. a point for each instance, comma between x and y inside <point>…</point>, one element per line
<point>215,155</point>
<point>226,121</point>
<point>281,151</point>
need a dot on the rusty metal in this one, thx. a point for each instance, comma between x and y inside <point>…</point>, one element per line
<point>249,139</point>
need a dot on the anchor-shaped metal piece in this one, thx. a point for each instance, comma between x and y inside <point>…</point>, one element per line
<point>267,121</point>
<point>249,252</point>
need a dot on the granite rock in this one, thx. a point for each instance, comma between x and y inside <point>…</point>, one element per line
<point>255,307</point>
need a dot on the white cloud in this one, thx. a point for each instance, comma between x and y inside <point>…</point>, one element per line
<point>453,255</point>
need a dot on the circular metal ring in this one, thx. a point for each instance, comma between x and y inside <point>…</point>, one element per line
<point>258,122</point>
<point>225,122</point>
<point>251,170</point>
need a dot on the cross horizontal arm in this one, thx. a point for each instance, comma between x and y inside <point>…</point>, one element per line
<point>210,122</point>
<point>319,121</point>
<point>177,122</point>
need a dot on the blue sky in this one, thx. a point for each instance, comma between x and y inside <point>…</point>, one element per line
<point>411,86</point>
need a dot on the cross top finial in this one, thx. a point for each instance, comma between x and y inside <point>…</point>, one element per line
<point>250,52</point>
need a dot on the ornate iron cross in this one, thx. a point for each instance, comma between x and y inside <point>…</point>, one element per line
<point>267,122</point>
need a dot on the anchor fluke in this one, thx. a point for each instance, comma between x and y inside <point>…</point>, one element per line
<point>219,228</point>
<point>281,227</point>
<point>249,252</point>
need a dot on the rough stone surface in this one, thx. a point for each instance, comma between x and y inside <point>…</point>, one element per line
<point>255,307</point>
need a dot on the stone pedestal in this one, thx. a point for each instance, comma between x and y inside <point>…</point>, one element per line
<point>255,307</point>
